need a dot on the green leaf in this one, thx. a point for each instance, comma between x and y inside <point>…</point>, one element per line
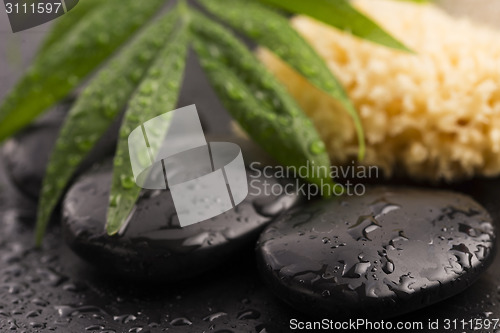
<point>273,31</point>
<point>99,104</point>
<point>64,24</point>
<point>156,95</point>
<point>62,67</point>
<point>342,15</point>
<point>258,101</point>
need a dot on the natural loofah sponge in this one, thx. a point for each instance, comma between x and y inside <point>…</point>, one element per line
<point>434,115</point>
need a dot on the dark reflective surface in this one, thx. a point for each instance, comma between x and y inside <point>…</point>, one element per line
<point>153,245</point>
<point>27,154</point>
<point>54,290</point>
<point>391,251</point>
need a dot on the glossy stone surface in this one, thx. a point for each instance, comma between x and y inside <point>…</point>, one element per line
<point>53,290</point>
<point>27,154</point>
<point>154,246</point>
<point>389,252</point>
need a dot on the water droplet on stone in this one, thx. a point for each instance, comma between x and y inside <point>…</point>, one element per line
<point>214,316</point>
<point>182,321</point>
<point>248,314</point>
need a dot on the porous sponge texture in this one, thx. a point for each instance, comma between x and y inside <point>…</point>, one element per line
<point>433,115</point>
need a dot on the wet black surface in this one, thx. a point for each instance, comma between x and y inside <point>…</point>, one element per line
<point>388,252</point>
<point>153,245</point>
<point>53,290</point>
<point>39,289</point>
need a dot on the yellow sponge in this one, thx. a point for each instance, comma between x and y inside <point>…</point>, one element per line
<point>434,115</point>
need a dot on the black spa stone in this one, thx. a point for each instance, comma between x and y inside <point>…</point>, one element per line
<point>389,252</point>
<point>154,246</point>
<point>27,154</point>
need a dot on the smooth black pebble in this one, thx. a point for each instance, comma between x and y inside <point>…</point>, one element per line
<point>389,252</point>
<point>27,154</point>
<point>154,246</point>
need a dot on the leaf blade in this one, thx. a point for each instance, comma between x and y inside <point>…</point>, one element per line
<point>157,94</point>
<point>61,68</point>
<point>342,15</point>
<point>272,118</point>
<point>64,24</point>
<point>99,104</point>
<point>272,30</point>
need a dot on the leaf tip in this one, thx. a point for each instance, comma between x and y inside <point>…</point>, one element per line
<point>40,227</point>
<point>111,231</point>
<point>111,225</point>
<point>39,233</point>
<point>361,152</point>
<point>408,50</point>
